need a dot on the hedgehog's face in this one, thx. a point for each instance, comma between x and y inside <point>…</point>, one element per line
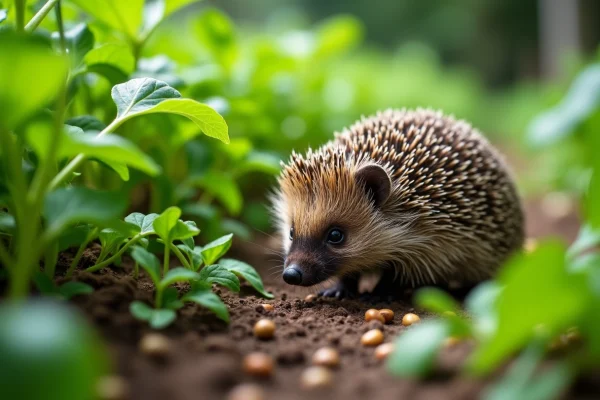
<point>326,222</point>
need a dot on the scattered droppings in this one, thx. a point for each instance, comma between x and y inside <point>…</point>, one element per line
<point>267,307</point>
<point>410,319</point>
<point>311,298</point>
<point>326,357</point>
<point>258,365</point>
<point>384,350</point>
<point>373,337</point>
<point>316,377</point>
<point>387,314</point>
<point>246,391</point>
<point>373,325</point>
<point>113,387</point>
<point>155,345</point>
<point>264,329</point>
<point>374,315</point>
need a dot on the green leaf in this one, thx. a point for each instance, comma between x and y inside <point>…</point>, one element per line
<point>73,236</point>
<point>592,198</point>
<point>245,271</point>
<point>7,222</point>
<point>481,304</point>
<point>184,230</point>
<point>165,222</point>
<point>260,162</point>
<point>416,349</point>
<point>582,100</point>
<point>587,238</point>
<point>162,318</point>
<point>123,16</point>
<point>79,41</point>
<point>25,87</point>
<point>145,222</point>
<point>171,300</point>
<point>435,300</point>
<point>44,284</point>
<point>71,289</point>
<point>224,188</point>
<point>338,35</point>
<point>539,286</point>
<point>220,275</point>
<point>156,11</point>
<point>110,240</point>
<point>216,249</point>
<point>86,123</point>
<point>114,61</point>
<point>206,298</point>
<point>3,14</point>
<point>68,206</point>
<point>178,274</point>
<point>148,261</point>
<point>140,310</point>
<point>143,96</point>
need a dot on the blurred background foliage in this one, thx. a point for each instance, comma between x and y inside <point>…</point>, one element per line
<point>286,74</point>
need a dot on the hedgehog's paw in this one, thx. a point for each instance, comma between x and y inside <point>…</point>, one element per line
<point>341,290</point>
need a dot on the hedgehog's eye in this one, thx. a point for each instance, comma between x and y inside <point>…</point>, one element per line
<point>335,236</point>
<point>291,233</point>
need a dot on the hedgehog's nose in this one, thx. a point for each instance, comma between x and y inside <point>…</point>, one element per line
<point>292,275</point>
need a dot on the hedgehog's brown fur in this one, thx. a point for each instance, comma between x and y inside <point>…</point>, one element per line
<point>453,212</point>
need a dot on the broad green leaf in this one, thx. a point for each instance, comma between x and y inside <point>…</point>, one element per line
<point>196,257</point>
<point>206,298</point>
<point>245,271</point>
<point>148,261</point>
<point>157,11</point>
<point>165,222</point>
<point>224,188</point>
<point>171,299</point>
<point>25,87</point>
<point>73,236</point>
<point>581,101</point>
<point>72,289</point>
<point>184,230</point>
<point>145,222</point>
<point>435,300</point>
<point>44,284</point>
<point>123,16</point>
<point>140,310</point>
<point>110,240</point>
<point>416,349</point>
<point>216,249</point>
<point>142,96</point>
<point>68,206</point>
<point>86,123</point>
<point>481,305</point>
<point>162,318</point>
<point>178,274</point>
<point>540,287</point>
<point>79,41</point>
<point>221,276</point>
<point>114,61</point>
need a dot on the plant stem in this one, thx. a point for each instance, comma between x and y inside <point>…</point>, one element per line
<point>166,259</point>
<point>136,270</point>
<point>159,296</point>
<point>5,257</point>
<point>61,28</point>
<point>180,256</point>
<point>80,251</point>
<point>76,162</point>
<point>109,260</point>
<point>50,259</point>
<point>39,16</point>
<point>20,14</point>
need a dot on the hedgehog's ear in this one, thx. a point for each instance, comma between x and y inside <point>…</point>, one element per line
<point>376,181</point>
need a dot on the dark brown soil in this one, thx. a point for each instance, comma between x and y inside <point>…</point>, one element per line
<point>205,356</point>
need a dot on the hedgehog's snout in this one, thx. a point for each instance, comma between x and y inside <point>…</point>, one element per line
<point>292,275</point>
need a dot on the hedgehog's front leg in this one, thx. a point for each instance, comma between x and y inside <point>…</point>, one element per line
<point>346,287</point>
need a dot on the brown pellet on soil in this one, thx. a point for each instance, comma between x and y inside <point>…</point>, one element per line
<point>264,329</point>
<point>316,377</point>
<point>374,315</point>
<point>267,307</point>
<point>155,345</point>
<point>259,365</point>
<point>373,337</point>
<point>246,391</point>
<point>384,350</point>
<point>387,314</point>
<point>311,298</point>
<point>326,357</point>
<point>410,319</point>
<point>112,387</point>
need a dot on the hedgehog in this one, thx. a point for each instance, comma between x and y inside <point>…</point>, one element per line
<point>415,195</point>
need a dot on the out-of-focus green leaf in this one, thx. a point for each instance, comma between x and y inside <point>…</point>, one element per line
<point>415,349</point>
<point>586,239</point>
<point>435,300</point>
<point>3,14</point>
<point>592,199</point>
<point>581,101</point>
<point>161,318</point>
<point>123,16</point>
<point>141,311</point>
<point>79,41</point>
<point>216,249</point>
<point>337,35</point>
<point>179,274</point>
<point>148,261</point>
<point>158,10</point>
<point>220,275</point>
<point>147,96</point>
<point>68,206</point>
<point>171,300</point>
<point>86,123</point>
<point>556,303</point>
<point>206,298</point>
<point>7,222</point>
<point>114,61</point>
<point>71,289</point>
<point>224,188</point>
<point>73,236</point>
<point>246,271</point>
<point>145,222</point>
<point>216,32</point>
<point>260,162</point>
<point>25,87</point>
<point>481,305</point>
